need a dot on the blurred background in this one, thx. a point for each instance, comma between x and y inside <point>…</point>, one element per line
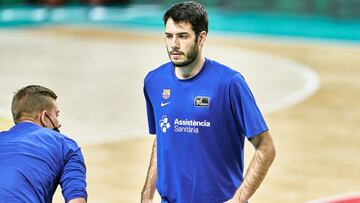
<point>284,17</point>
<point>333,8</point>
<point>301,59</point>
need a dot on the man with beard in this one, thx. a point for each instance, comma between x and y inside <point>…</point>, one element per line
<point>201,112</point>
<point>35,157</point>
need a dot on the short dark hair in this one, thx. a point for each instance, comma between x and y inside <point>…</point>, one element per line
<point>30,100</point>
<point>191,12</point>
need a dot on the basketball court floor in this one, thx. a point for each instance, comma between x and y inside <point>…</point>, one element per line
<point>308,90</point>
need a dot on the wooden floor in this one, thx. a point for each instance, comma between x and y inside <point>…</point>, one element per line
<point>317,140</point>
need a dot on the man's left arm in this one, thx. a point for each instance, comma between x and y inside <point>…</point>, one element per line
<point>260,163</point>
<point>73,177</point>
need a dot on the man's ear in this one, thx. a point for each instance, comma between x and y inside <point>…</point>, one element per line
<point>42,118</point>
<point>202,38</point>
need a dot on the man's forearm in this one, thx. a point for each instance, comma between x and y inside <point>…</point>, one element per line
<point>78,200</point>
<point>149,187</point>
<point>262,159</point>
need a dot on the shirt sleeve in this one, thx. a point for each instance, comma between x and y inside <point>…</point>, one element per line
<point>150,114</point>
<point>244,108</point>
<point>73,177</point>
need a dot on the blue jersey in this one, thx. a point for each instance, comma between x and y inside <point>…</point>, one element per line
<point>35,160</point>
<point>200,126</point>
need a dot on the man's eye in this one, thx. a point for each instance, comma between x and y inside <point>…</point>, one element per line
<point>182,36</point>
<point>168,36</point>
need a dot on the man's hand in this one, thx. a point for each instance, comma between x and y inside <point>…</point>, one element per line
<point>260,163</point>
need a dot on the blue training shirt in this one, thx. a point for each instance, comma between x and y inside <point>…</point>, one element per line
<point>34,160</point>
<point>200,126</point>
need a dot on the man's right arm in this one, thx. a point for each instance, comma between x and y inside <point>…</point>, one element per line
<point>78,200</point>
<point>148,191</point>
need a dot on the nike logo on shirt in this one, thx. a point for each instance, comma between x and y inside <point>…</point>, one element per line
<point>164,104</point>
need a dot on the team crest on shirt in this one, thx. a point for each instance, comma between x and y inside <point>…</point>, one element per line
<point>201,101</point>
<point>166,93</point>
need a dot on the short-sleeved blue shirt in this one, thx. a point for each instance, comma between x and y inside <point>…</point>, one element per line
<point>200,126</point>
<point>35,160</point>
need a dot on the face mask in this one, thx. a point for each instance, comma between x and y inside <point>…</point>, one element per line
<point>54,127</point>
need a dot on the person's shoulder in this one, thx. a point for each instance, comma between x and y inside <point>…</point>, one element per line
<point>157,72</point>
<point>66,140</point>
<point>224,72</point>
<point>58,138</point>
<point>3,133</point>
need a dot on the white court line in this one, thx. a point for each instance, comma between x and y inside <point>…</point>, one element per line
<point>277,82</point>
<point>309,88</point>
<point>270,70</point>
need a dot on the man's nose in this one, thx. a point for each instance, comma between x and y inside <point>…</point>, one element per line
<point>175,43</point>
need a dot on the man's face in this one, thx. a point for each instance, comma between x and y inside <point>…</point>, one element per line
<point>181,43</point>
<point>52,117</point>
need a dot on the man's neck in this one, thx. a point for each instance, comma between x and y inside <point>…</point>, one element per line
<point>191,70</point>
<point>27,119</point>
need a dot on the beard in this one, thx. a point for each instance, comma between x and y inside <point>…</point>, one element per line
<point>190,56</point>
